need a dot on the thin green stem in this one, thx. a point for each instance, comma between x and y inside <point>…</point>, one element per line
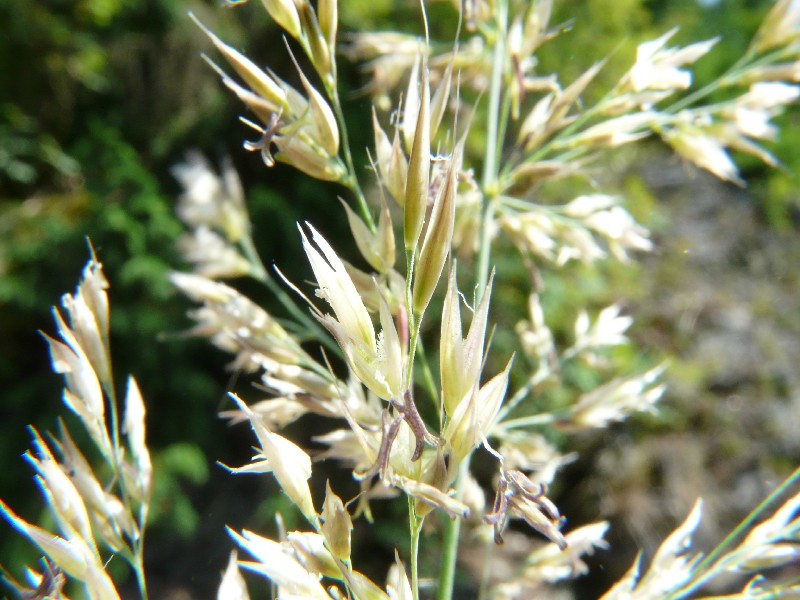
<point>522,393</point>
<point>559,137</point>
<point>352,181</point>
<point>139,568</point>
<point>486,572</point>
<point>427,374</point>
<point>257,269</point>
<point>485,245</point>
<point>331,83</point>
<point>494,135</point>
<point>415,527</point>
<point>708,566</point>
<point>542,419</point>
<point>452,531</point>
<point>730,77</point>
<point>413,321</point>
<point>710,88</point>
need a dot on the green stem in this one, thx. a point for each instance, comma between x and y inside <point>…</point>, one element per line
<point>257,269</point>
<point>331,83</point>
<point>730,77</point>
<point>708,567</point>
<point>494,135</point>
<point>413,319</point>
<point>352,178</point>
<point>452,532</point>
<point>139,568</point>
<point>427,374</point>
<point>485,247</point>
<point>712,87</point>
<point>415,526</point>
<point>542,419</point>
<point>486,572</point>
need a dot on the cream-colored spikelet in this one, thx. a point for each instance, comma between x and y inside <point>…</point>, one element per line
<point>419,164</point>
<point>377,247</point>
<point>375,360</point>
<point>289,463</point>
<point>438,237</point>
<point>460,359</point>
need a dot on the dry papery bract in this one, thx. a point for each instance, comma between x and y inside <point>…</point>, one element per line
<point>404,428</point>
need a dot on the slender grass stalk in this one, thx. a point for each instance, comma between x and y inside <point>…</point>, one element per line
<point>413,321</point>
<point>707,90</point>
<point>139,569</point>
<point>452,532</point>
<point>494,145</point>
<point>427,374</point>
<point>709,567</point>
<point>415,527</point>
<point>352,181</point>
<point>489,184</point>
<point>488,552</point>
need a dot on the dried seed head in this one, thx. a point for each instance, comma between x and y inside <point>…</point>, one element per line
<point>211,254</point>
<point>211,199</point>
<point>328,13</point>
<point>419,166</point>
<point>397,584</point>
<point>285,14</point>
<point>376,247</point>
<point>704,150</point>
<point>290,465</point>
<point>84,394</point>
<point>309,548</point>
<point>391,162</point>
<point>376,361</point>
<point>398,172</point>
<point>779,72</point>
<point>460,359</point>
<point>617,399</point>
<point>261,83</point>
<point>318,49</point>
<point>518,496</point>
<point>311,160</point>
<point>337,526</point>
<point>433,496</point>
<point>65,501</point>
<point>438,238</point>
<point>657,67</point>
<point>278,563</point>
<point>441,97</point>
<point>476,414</point>
<point>780,27</point>
<point>327,131</point>
<point>133,426</point>
<point>62,552</point>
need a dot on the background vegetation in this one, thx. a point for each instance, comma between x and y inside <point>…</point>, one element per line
<point>100,98</point>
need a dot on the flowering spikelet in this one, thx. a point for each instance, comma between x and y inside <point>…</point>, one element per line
<point>291,466</point>
<point>416,194</point>
<point>461,358</point>
<point>376,360</point>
